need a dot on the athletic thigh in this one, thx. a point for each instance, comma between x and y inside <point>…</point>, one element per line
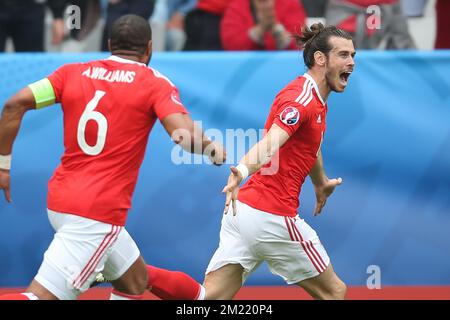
<point>125,268</point>
<point>123,254</point>
<point>223,283</point>
<point>233,245</point>
<point>77,253</point>
<point>327,285</point>
<point>291,248</point>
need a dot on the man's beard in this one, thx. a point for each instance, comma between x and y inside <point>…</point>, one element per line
<point>330,83</point>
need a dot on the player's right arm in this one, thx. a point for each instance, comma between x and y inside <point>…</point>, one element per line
<point>179,125</point>
<point>263,151</point>
<point>289,117</point>
<point>259,155</point>
<point>36,95</point>
<point>191,138</point>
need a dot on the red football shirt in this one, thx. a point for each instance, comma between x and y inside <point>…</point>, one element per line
<point>301,112</point>
<point>109,107</point>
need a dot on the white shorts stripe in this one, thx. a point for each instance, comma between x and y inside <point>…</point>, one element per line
<point>77,279</point>
<point>291,232</point>
<point>87,266</point>
<point>100,254</point>
<point>305,246</point>
<point>315,255</point>
<point>90,267</point>
<point>297,237</point>
<point>81,248</point>
<point>253,236</point>
<point>318,255</point>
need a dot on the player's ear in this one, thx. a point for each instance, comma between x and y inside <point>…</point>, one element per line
<point>148,51</point>
<point>320,58</point>
<point>149,47</point>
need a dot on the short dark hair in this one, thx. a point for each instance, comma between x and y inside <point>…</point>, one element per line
<point>316,38</point>
<point>130,33</point>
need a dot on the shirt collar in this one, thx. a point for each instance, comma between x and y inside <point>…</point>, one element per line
<point>123,60</point>
<point>307,76</point>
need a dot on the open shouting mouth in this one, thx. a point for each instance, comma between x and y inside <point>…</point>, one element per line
<point>343,76</point>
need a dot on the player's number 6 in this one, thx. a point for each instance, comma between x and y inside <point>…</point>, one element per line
<point>90,114</point>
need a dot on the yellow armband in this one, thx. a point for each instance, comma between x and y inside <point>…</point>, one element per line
<point>43,93</point>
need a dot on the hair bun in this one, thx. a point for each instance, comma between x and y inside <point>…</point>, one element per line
<point>309,33</point>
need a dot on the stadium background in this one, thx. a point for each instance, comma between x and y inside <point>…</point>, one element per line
<point>388,136</point>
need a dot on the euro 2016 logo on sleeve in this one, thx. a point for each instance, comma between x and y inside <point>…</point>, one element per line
<point>290,116</point>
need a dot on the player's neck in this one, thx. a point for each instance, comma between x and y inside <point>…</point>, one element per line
<point>126,56</point>
<point>132,58</point>
<point>321,81</point>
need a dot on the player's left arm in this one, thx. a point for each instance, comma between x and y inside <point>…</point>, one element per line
<point>11,118</point>
<point>36,95</point>
<point>323,186</point>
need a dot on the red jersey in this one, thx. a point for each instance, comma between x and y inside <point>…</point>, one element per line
<point>109,107</point>
<point>301,112</point>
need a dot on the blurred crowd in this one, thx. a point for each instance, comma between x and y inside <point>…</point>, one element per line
<point>220,24</point>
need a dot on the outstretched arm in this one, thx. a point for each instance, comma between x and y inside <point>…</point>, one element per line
<point>10,121</point>
<point>262,152</point>
<point>259,155</point>
<point>323,186</point>
<point>191,138</point>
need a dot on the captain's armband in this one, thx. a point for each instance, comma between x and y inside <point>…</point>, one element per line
<point>43,93</point>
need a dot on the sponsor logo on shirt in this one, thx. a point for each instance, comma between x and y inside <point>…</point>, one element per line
<point>290,116</point>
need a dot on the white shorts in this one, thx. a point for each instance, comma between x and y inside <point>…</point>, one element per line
<point>290,246</point>
<point>80,249</point>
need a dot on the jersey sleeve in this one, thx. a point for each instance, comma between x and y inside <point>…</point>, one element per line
<point>167,100</point>
<point>43,93</point>
<point>57,80</point>
<point>290,115</point>
<point>48,91</point>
